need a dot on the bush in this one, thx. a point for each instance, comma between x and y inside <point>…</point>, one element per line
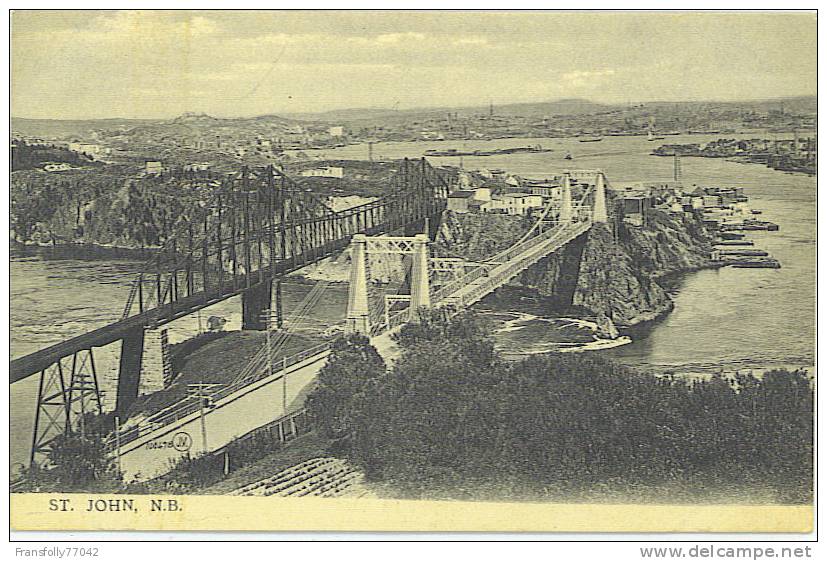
<point>452,419</point>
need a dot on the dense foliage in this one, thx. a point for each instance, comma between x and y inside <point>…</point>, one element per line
<point>77,461</point>
<point>31,156</point>
<point>350,372</point>
<point>106,205</point>
<point>452,419</point>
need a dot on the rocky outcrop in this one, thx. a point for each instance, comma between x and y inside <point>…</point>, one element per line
<point>610,271</point>
<point>476,236</point>
<point>614,270</point>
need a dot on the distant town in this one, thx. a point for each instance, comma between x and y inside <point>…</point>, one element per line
<point>196,141</point>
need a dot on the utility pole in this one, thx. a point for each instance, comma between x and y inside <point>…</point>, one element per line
<point>203,428</point>
<point>677,169</point>
<point>118,442</point>
<point>284,385</point>
<point>203,393</point>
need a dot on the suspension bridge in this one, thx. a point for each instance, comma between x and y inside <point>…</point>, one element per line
<point>305,231</point>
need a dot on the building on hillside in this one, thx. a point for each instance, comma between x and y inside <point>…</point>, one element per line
<point>93,150</point>
<point>513,180</point>
<point>57,167</point>
<point>459,201</point>
<point>200,166</point>
<point>327,171</point>
<point>482,193</point>
<point>547,188</point>
<point>513,203</point>
<point>635,208</point>
<point>153,167</point>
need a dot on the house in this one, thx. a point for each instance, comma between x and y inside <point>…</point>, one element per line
<point>513,181</point>
<point>711,201</point>
<point>513,203</point>
<point>546,188</point>
<point>153,167</point>
<point>497,205</point>
<point>57,167</point>
<point>202,166</point>
<point>634,209</point>
<point>482,194</point>
<point>458,201</point>
<point>84,148</point>
<point>327,171</point>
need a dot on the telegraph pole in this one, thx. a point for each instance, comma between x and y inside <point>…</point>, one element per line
<point>118,442</point>
<point>203,393</point>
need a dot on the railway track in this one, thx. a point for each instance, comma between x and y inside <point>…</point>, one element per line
<point>319,477</point>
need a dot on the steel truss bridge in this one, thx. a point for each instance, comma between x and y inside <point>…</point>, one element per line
<point>257,226</point>
<point>431,282</point>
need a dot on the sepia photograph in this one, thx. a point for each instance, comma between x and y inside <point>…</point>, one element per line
<point>381,270</point>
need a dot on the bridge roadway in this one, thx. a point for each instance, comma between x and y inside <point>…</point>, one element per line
<point>149,448</point>
<point>23,367</point>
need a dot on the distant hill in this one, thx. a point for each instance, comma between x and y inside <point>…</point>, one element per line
<point>55,128</point>
<point>798,105</point>
<point>59,128</point>
<point>539,109</point>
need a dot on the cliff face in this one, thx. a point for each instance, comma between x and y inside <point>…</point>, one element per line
<point>619,278</point>
<point>476,236</point>
<point>598,273</point>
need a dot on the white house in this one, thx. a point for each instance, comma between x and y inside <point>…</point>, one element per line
<point>57,167</point>
<point>154,167</point>
<point>328,171</point>
<point>482,193</point>
<point>513,203</point>
<point>93,150</point>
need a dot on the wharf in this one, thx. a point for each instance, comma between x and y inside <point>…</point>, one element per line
<point>750,225</point>
<point>735,242</point>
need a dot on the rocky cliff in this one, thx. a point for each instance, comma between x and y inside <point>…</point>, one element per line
<point>476,236</point>
<point>611,270</point>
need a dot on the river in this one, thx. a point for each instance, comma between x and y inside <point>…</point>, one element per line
<point>723,319</point>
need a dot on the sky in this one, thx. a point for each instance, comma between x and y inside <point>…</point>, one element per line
<point>135,64</point>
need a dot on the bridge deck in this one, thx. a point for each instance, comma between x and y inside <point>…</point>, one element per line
<point>23,367</point>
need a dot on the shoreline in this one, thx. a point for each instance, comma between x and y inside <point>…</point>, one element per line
<point>741,160</point>
<point>84,251</point>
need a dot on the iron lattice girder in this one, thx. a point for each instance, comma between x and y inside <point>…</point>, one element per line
<point>392,245</point>
<point>256,226</point>
<point>63,404</point>
<point>270,218</point>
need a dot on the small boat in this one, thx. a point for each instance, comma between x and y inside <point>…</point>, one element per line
<point>653,137</point>
<point>751,224</point>
<point>753,211</point>
<point>591,139</point>
<point>568,156</point>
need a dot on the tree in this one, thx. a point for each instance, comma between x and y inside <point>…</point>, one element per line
<point>353,365</point>
<point>452,419</point>
<point>77,462</point>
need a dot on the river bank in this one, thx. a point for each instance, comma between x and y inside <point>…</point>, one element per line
<point>79,250</point>
<point>730,319</point>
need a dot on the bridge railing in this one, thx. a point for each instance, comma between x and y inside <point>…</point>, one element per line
<point>498,276</point>
<point>503,256</point>
<point>261,368</point>
<point>186,407</point>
